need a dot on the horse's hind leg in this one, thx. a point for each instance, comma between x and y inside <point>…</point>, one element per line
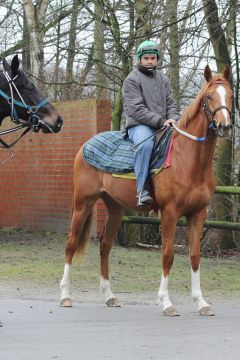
<point>77,239</point>
<point>195,228</point>
<point>113,223</point>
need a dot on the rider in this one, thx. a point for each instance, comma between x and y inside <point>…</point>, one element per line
<point>148,104</point>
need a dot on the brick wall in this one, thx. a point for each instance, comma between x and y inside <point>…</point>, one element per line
<point>36,185</point>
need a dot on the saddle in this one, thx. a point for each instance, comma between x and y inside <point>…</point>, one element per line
<point>111,152</point>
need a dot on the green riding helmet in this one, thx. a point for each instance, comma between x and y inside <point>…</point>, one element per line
<point>147,47</point>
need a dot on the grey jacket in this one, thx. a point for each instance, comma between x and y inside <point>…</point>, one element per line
<point>148,100</point>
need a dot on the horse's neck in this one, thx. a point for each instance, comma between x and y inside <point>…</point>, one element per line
<point>195,152</point>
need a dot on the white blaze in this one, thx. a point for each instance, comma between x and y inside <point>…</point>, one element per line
<point>222,94</point>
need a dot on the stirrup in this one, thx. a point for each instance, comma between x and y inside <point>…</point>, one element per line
<point>144,198</point>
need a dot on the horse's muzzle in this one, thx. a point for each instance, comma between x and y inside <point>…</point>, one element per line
<point>58,125</point>
<point>47,128</point>
<point>224,130</point>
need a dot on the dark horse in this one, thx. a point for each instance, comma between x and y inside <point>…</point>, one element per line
<point>23,102</point>
<point>21,99</point>
<point>183,189</point>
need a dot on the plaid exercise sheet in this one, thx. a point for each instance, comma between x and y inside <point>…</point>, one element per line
<point>110,152</point>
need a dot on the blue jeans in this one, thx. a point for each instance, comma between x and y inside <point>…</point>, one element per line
<point>142,153</point>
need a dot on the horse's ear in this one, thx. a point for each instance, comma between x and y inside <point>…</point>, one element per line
<point>6,65</point>
<point>227,72</point>
<point>15,65</point>
<point>207,73</point>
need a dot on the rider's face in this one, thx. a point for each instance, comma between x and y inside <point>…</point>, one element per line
<point>149,60</point>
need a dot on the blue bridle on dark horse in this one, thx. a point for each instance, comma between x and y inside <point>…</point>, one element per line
<point>31,109</point>
<point>33,120</point>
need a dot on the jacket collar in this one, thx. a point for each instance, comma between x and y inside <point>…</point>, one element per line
<point>146,71</point>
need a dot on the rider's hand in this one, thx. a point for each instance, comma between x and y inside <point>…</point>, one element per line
<point>169,122</point>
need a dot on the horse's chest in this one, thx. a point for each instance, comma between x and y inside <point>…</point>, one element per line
<point>195,198</point>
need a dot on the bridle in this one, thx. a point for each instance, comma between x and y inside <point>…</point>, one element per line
<point>210,114</point>
<point>33,121</point>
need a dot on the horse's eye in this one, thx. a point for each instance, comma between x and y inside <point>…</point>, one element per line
<point>209,97</point>
<point>31,86</point>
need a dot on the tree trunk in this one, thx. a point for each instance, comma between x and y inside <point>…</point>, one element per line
<point>71,48</point>
<point>99,55</point>
<point>57,63</point>
<point>35,14</point>
<point>117,112</point>
<point>172,11</point>
<point>224,147</point>
<point>122,52</point>
<point>26,63</point>
<point>145,233</point>
<point>143,24</point>
<point>83,75</point>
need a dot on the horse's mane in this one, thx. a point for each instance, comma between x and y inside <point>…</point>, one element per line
<point>191,111</point>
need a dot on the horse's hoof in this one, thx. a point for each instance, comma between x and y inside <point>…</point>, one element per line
<point>171,311</point>
<point>1,324</point>
<point>113,302</point>
<point>67,302</point>
<point>206,311</point>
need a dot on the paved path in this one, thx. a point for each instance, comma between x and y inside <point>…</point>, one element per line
<point>41,330</point>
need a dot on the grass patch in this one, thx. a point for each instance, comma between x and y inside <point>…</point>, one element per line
<point>37,257</point>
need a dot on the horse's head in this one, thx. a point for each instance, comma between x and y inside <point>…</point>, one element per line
<point>21,99</point>
<point>218,100</point>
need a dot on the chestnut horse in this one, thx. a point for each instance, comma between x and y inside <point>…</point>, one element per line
<point>183,189</point>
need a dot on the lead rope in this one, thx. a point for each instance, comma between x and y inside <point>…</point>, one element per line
<point>193,137</point>
<point>184,133</point>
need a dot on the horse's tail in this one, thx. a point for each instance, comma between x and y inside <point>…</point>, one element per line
<point>85,236</point>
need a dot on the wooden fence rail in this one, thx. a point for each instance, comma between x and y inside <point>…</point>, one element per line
<point>234,190</point>
<point>213,224</point>
<point>181,222</point>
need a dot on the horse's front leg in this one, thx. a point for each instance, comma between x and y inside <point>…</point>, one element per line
<point>195,228</point>
<point>168,226</point>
